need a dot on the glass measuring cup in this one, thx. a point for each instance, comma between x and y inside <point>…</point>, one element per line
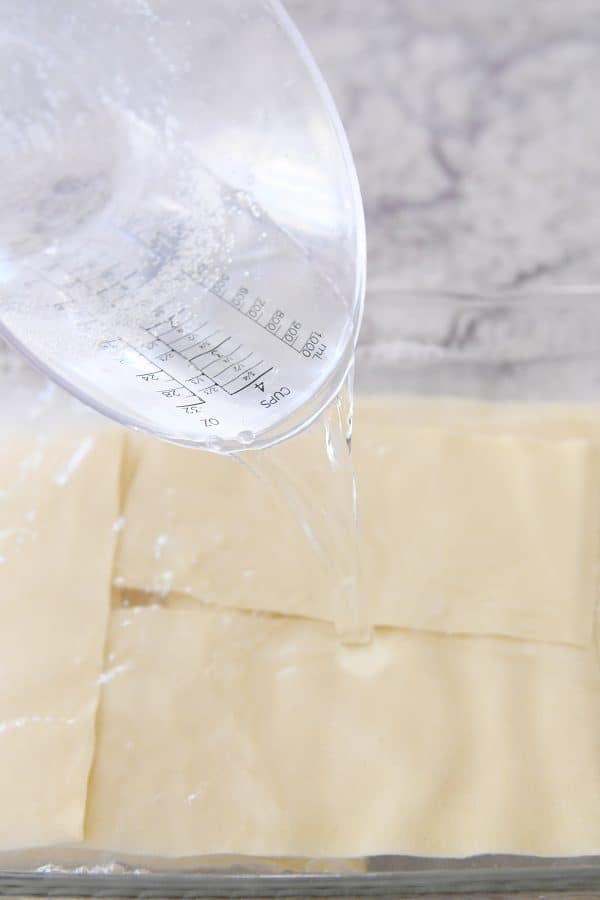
<point>181,232</point>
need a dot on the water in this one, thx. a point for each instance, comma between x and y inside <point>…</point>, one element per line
<point>323,499</point>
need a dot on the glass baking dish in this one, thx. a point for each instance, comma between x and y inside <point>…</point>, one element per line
<point>514,348</point>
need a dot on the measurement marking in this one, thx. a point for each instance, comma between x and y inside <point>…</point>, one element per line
<point>167,354</point>
<point>181,385</point>
<point>210,350</point>
<point>176,380</point>
<point>190,405</point>
<point>174,392</point>
<point>149,376</point>
<point>239,374</point>
<point>290,344</point>
<point>174,327</point>
<point>219,359</point>
<point>169,319</point>
<point>231,353</point>
<point>156,325</point>
<point>236,362</point>
<point>242,312</point>
<point>244,386</point>
<point>193,332</point>
<point>206,337</point>
<point>179,326</point>
<point>281,337</point>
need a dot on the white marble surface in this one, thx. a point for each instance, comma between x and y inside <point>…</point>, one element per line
<point>475,126</point>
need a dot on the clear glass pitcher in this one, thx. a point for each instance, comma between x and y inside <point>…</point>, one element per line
<point>181,231</point>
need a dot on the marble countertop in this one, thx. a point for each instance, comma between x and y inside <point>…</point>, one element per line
<point>475,128</point>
